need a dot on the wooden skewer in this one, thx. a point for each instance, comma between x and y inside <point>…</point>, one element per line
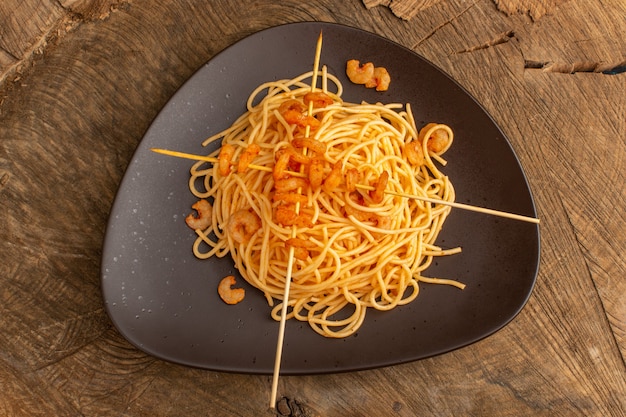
<point>213,159</point>
<point>283,314</point>
<point>457,205</point>
<point>462,206</point>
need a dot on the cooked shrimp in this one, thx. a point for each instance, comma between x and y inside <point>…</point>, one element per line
<point>383,222</point>
<point>372,77</point>
<point>316,173</point>
<point>296,156</point>
<point>292,104</point>
<point>309,143</point>
<point>319,99</point>
<point>286,215</point>
<point>360,215</point>
<point>203,220</point>
<point>382,79</point>
<point>304,121</point>
<point>290,184</point>
<point>333,179</point>
<point>303,220</point>
<point>280,167</point>
<point>228,294</point>
<point>414,153</point>
<point>242,225</point>
<point>299,243</point>
<point>292,198</point>
<point>378,193</point>
<point>224,159</point>
<point>352,179</point>
<point>293,113</point>
<point>300,246</point>
<point>247,157</point>
<point>359,74</point>
<point>439,139</point>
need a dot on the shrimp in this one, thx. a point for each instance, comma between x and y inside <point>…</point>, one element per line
<point>296,156</point>
<point>293,113</point>
<point>290,198</point>
<point>359,74</point>
<point>286,215</point>
<point>280,167</point>
<point>383,222</point>
<point>333,179</point>
<point>309,143</point>
<point>360,215</point>
<point>288,158</point>
<point>438,141</point>
<point>228,294</point>
<point>316,173</point>
<point>372,77</point>
<point>242,225</point>
<point>299,243</point>
<point>352,179</point>
<point>290,184</point>
<point>203,220</point>
<point>310,121</point>
<point>319,99</point>
<point>414,153</point>
<point>224,158</point>
<point>382,79</point>
<point>291,105</point>
<point>300,247</point>
<point>378,193</point>
<point>247,156</point>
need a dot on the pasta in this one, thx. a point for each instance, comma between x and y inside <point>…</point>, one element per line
<point>337,201</point>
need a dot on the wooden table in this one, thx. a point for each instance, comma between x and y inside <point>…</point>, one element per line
<point>81,81</point>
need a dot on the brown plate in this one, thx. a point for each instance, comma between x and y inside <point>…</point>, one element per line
<point>164,301</point>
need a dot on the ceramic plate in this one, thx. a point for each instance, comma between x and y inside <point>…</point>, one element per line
<point>164,301</point>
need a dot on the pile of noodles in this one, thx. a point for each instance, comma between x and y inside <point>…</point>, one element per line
<point>354,262</point>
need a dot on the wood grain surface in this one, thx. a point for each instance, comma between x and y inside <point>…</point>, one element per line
<point>80,82</point>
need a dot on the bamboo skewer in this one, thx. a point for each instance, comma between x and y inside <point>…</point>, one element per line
<point>212,159</point>
<point>283,314</point>
<point>458,205</point>
<point>453,204</point>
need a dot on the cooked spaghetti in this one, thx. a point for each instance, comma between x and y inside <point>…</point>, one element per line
<point>337,201</point>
